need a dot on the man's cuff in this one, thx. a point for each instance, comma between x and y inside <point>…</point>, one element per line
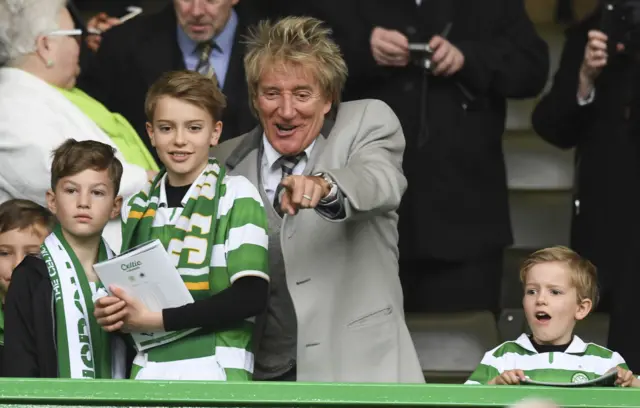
<point>333,210</point>
<point>589,99</point>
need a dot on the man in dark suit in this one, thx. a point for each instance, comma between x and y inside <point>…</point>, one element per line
<point>133,55</point>
<point>454,220</point>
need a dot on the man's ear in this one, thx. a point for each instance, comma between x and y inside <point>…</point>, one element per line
<point>584,308</point>
<point>117,206</point>
<point>51,201</point>
<point>149,127</point>
<point>215,133</point>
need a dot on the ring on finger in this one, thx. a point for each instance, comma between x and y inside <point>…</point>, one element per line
<point>306,197</point>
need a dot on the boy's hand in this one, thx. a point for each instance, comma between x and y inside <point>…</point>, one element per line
<point>509,377</point>
<point>625,378</point>
<point>109,312</point>
<point>126,313</point>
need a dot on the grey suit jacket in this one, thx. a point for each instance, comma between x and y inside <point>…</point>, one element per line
<point>343,274</point>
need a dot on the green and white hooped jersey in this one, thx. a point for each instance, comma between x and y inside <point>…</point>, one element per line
<point>580,362</point>
<point>237,249</point>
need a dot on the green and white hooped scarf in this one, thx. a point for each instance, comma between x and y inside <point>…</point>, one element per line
<point>199,355</point>
<point>84,349</point>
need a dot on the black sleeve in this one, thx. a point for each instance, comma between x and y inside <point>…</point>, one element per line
<point>246,297</point>
<point>20,346</point>
<point>100,74</point>
<point>514,63</point>
<point>558,118</point>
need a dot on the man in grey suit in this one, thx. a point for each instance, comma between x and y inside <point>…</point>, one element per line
<point>331,189</point>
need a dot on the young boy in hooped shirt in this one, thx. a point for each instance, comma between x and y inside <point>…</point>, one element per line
<point>214,227</point>
<point>560,289</point>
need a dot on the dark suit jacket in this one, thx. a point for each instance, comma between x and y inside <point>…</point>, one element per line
<point>134,55</point>
<point>456,205</point>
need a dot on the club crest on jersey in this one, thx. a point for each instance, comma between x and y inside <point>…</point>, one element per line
<point>579,378</point>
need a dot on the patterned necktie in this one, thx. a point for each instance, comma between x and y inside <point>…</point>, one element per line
<point>287,164</point>
<point>204,66</point>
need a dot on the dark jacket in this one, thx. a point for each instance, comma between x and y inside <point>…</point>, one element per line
<point>134,55</point>
<point>29,348</point>
<point>456,204</point>
<point>606,135</point>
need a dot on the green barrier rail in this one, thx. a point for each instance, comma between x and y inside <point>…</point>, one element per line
<point>100,393</point>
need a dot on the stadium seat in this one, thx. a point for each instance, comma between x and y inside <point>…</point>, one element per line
<point>451,345</point>
<point>511,290</point>
<point>594,329</point>
<point>511,324</point>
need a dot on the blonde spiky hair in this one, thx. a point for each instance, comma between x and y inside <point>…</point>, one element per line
<point>300,41</point>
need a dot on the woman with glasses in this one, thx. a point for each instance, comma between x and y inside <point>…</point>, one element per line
<point>40,107</point>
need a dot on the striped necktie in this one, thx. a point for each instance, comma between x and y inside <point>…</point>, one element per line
<point>287,164</point>
<point>204,66</point>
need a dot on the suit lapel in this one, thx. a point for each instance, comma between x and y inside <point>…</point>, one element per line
<point>250,143</point>
<point>318,148</point>
<point>161,52</point>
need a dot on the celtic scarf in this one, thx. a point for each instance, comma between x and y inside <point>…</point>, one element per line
<point>84,349</point>
<point>190,234</point>
<point>197,222</point>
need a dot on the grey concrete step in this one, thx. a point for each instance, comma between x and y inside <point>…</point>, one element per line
<point>540,219</point>
<point>533,164</point>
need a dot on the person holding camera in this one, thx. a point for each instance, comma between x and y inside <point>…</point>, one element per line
<point>594,106</point>
<point>450,95</point>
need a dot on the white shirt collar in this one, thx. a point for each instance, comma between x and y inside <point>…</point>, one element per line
<point>272,155</point>
<point>577,346</point>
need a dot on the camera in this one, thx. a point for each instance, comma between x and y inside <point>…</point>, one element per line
<point>420,54</point>
<point>621,23</point>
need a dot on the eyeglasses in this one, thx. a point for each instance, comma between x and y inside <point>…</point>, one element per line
<point>65,33</point>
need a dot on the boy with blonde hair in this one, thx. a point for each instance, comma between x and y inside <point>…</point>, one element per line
<point>560,289</point>
<point>214,227</point>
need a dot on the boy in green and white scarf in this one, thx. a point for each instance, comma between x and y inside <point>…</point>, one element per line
<point>50,328</point>
<point>214,227</point>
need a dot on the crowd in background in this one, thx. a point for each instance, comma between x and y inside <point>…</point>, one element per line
<point>450,98</point>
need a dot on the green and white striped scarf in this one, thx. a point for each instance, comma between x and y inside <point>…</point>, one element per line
<point>84,349</point>
<point>190,241</point>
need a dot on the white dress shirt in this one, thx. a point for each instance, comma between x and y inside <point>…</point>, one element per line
<point>272,173</point>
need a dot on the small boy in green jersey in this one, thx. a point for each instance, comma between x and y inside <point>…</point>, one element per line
<point>560,288</point>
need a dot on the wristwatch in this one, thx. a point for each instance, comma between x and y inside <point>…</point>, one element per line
<point>333,192</point>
